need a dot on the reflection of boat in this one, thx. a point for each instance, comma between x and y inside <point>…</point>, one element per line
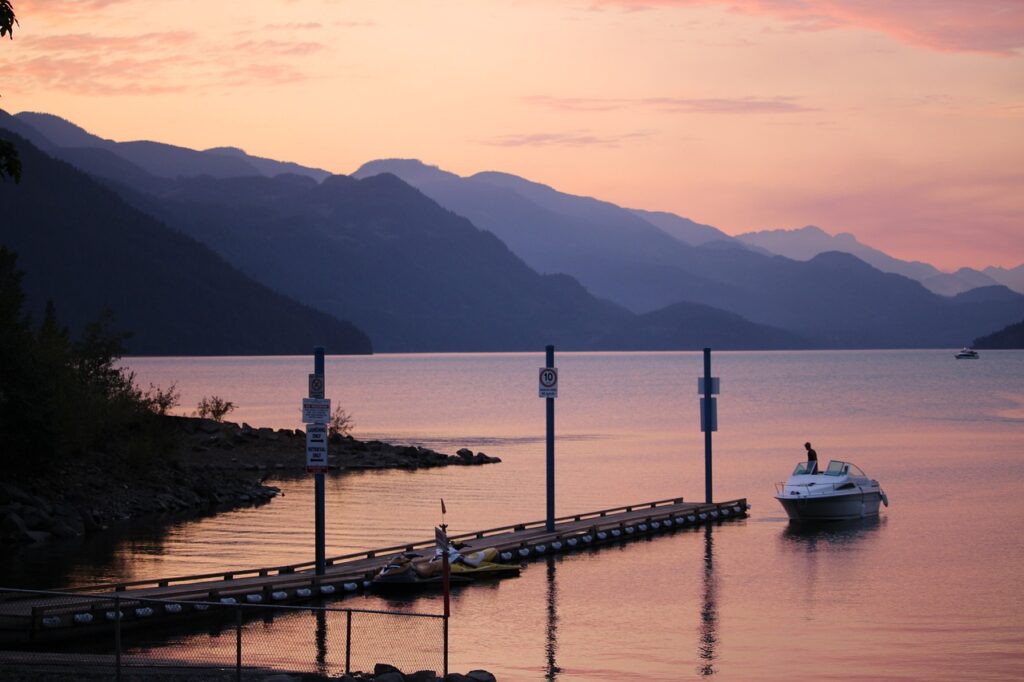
<point>842,491</point>
<point>410,571</point>
<point>967,354</point>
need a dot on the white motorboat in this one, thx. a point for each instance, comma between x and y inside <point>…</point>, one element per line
<point>967,354</point>
<point>840,492</point>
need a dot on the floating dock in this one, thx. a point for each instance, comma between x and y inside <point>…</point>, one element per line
<point>90,610</point>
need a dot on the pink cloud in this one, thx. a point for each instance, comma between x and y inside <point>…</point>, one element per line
<point>992,26</point>
<point>60,9</point>
<point>703,105</point>
<point>570,139</point>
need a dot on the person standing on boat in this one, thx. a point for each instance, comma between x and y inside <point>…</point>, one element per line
<point>812,457</point>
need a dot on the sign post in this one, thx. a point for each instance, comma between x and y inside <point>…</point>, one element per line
<point>707,386</point>
<point>548,389</point>
<point>316,413</point>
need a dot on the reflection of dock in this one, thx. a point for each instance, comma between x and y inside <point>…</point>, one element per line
<point>53,616</point>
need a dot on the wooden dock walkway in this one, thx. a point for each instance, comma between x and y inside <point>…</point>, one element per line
<point>88,609</point>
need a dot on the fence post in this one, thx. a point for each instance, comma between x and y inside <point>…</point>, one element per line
<point>348,642</point>
<point>238,643</point>
<point>117,637</point>
<point>446,645</point>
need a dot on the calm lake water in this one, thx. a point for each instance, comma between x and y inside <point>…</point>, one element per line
<point>932,590</point>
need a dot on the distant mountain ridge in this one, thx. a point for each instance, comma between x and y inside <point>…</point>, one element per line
<point>806,242</point>
<point>417,276</point>
<point>835,299</point>
<point>420,277</point>
<point>83,247</point>
<point>156,158</point>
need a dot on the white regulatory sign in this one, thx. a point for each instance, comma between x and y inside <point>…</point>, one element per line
<point>316,410</point>
<point>316,448</point>
<point>548,382</point>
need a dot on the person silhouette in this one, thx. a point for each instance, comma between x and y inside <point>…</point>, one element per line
<point>812,458</point>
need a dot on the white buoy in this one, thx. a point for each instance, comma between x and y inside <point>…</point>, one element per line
<point>144,612</point>
<point>254,598</point>
<point>587,539</point>
<point>303,592</point>
<point>540,549</point>
<point>572,542</point>
<point>327,589</point>
<point>642,527</point>
<point>506,556</point>
<point>350,587</point>
<point>524,551</point>
<point>703,516</point>
<point>668,523</point>
<point>112,615</point>
<point>279,595</point>
<point>201,607</point>
<point>655,525</point>
<point>616,532</point>
<point>556,546</point>
<point>172,608</point>
<point>629,530</point>
<point>83,618</point>
<point>51,621</point>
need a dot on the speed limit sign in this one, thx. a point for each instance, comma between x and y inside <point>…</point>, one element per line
<point>548,382</point>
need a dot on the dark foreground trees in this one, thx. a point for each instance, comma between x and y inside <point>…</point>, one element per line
<point>62,398</point>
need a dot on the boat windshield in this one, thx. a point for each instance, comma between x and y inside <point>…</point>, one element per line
<point>837,468</point>
<point>804,468</point>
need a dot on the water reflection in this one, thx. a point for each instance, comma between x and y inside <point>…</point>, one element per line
<point>709,610</point>
<point>832,535</point>
<point>551,640</point>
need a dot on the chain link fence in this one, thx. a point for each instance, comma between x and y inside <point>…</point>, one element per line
<point>119,634</point>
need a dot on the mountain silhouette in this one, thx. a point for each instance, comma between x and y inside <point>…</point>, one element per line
<point>80,245</point>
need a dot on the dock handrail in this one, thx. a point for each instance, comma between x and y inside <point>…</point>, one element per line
<point>367,554</point>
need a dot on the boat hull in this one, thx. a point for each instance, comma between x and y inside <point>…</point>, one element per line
<point>856,505</point>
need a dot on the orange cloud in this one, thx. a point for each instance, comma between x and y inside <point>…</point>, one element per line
<point>993,26</point>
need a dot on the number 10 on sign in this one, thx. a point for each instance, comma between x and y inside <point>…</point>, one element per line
<point>548,384</point>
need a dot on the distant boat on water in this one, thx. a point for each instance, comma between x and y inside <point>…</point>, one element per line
<point>967,354</point>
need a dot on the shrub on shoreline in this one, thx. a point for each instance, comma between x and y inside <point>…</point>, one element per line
<point>62,399</point>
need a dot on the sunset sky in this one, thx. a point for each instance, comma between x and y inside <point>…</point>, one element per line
<point>899,121</point>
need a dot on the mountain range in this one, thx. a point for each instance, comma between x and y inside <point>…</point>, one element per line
<point>806,242</point>
<point>81,246</point>
<point>834,299</point>
<point>497,262</point>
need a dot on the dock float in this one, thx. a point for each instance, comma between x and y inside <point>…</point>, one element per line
<point>88,610</point>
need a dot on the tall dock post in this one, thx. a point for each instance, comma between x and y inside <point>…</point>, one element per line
<point>707,386</point>
<point>318,477</point>
<point>316,415</point>
<point>548,389</point>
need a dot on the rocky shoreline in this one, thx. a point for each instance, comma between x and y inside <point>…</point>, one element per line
<point>215,466</point>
